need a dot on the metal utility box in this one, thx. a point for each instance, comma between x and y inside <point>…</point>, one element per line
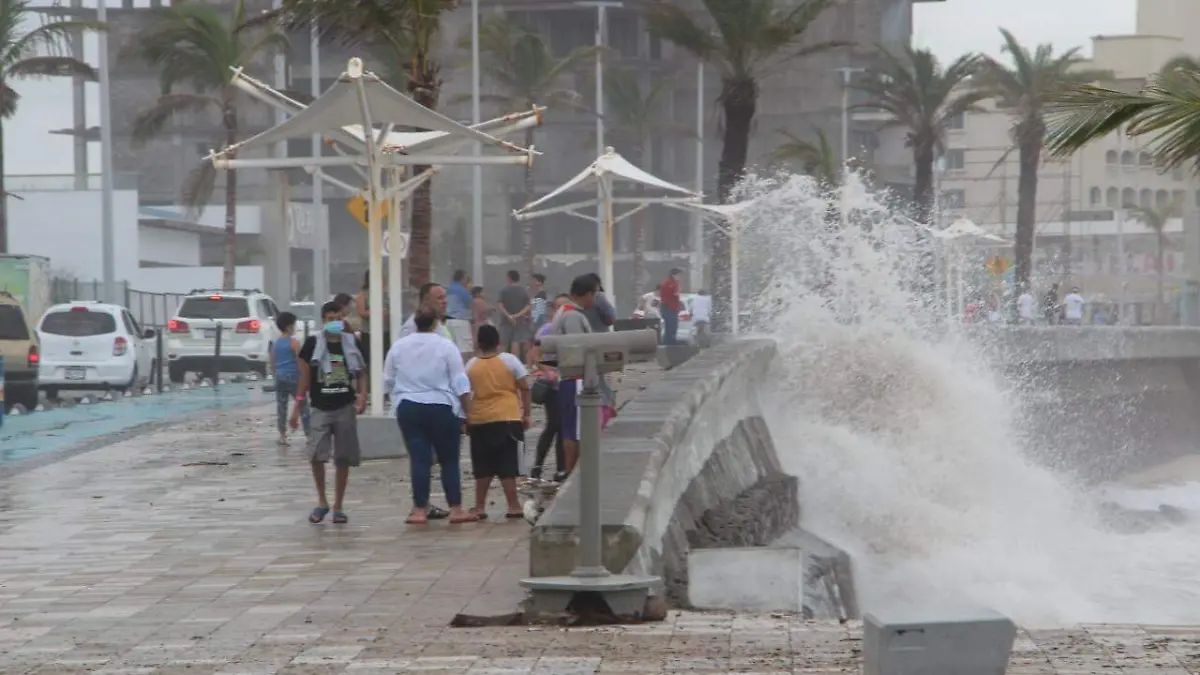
<point>976,642</point>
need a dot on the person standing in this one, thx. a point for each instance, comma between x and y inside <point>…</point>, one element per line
<point>458,297</point>
<point>333,377</point>
<point>432,396</point>
<point>434,297</point>
<point>517,311</point>
<point>671,305</point>
<point>1073,307</point>
<point>498,420</point>
<point>1050,306</point>
<point>546,381</point>
<point>572,320</point>
<point>1026,306</point>
<point>285,368</point>
<point>540,301</point>
<point>701,311</point>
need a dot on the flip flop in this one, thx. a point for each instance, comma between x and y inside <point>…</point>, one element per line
<point>416,520</point>
<point>479,515</point>
<point>514,516</point>
<point>340,518</point>
<point>462,520</point>
<point>437,513</point>
<point>318,514</point>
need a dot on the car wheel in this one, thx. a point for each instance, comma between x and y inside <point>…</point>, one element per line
<point>176,373</point>
<point>26,397</point>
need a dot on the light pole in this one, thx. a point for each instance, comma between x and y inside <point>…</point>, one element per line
<point>603,232</point>
<point>320,283</point>
<point>848,73</point>
<point>108,262</point>
<point>476,171</point>
<point>697,272</point>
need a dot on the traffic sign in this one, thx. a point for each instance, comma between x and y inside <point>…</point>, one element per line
<point>997,265</point>
<point>357,206</point>
<point>387,244</point>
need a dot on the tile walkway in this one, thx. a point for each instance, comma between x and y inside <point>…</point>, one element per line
<point>185,552</point>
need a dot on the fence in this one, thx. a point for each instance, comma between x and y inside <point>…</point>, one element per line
<point>152,310</point>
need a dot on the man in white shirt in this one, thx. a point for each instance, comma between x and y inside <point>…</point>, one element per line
<point>649,305</point>
<point>700,308</point>
<point>1074,307</point>
<point>432,296</point>
<point>1026,306</point>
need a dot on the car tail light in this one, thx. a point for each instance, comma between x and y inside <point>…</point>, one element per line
<point>684,316</point>
<point>120,346</point>
<point>33,358</point>
<point>79,309</point>
<point>250,326</point>
<point>177,326</point>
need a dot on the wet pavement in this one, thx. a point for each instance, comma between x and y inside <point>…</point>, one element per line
<point>184,551</point>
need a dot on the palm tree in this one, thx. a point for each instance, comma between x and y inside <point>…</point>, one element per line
<point>1181,62</point>
<point>816,158</point>
<point>404,32</point>
<point>195,46</point>
<point>750,38</point>
<point>924,98</point>
<point>1027,87</point>
<point>32,53</point>
<point>526,73</point>
<point>638,111</point>
<point>1155,220</point>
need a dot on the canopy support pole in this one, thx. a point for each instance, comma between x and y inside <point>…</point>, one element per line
<point>396,252</point>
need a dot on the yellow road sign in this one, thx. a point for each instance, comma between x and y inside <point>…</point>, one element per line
<point>997,265</point>
<point>357,206</point>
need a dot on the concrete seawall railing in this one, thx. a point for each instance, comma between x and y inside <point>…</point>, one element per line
<point>1102,402</point>
<point>689,464</point>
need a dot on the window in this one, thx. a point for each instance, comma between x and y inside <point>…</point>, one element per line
<point>1178,197</point>
<point>1162,199</point>
<point>1127,158</point>
<point>264,309</point>
<point>131,325</point>
<point>956,122</point>
<point>954,160</point>
<point>12,323</point>
<point>954,199</point>
<point>1110,157</point>
<point>217,307</point>
<point>1146,198</point>
<point>1094,196</point>
<point>1128,197</point>
<point>1145,159</point>
<point>73,323</point>
<point>1112,198</point>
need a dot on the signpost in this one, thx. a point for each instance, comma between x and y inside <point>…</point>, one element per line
<point>357,206</point>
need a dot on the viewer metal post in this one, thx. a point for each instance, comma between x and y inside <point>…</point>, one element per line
<point>591,562</point>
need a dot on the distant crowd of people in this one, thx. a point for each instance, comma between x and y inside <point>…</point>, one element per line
<point>1051,311</point>
<point>321,384</point>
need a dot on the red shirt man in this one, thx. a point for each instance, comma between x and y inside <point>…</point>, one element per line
<point>669,292</point>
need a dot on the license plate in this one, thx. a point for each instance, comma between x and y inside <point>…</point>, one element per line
<point>210,333</point>
<point>76,373</point>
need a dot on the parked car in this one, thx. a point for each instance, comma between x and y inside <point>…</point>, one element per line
<point>684,332</point>
<point>90,345</point>
<point>306,317</point>
<point>21,351</point>
<point>246,321</point>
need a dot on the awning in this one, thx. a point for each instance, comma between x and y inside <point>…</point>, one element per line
<point>614,166</point>
<point>962,229</point>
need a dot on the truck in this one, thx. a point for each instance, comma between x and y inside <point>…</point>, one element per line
<point>27,278</point>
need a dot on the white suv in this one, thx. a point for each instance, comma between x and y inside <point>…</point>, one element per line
<point>89,345</point>
<point>246,320</point>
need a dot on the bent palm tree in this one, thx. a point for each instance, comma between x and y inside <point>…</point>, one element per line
<point>1027,87</point>
<point>638,111</point>
<point>750,38</point>
<point>32,53</point>
<point>924,98</point>
<point>1155,220</point>
<point>195,46</point>
<point>817,159</point>
<point>526,73</point>
<point>406,32</point>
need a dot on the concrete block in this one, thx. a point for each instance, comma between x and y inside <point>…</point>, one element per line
<point>953,642</point>
<point>755,579</point>
<point>380,438</point>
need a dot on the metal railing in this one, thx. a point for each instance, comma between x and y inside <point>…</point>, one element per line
<point>152,310</point>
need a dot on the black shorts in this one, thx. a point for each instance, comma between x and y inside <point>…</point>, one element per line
<point>495,449</point>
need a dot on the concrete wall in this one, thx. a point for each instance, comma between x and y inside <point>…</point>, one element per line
<point>688,464</point>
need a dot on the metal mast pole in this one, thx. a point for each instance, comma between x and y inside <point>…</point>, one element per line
<point>698,257</point>
<point>320,282</point>
<point>477,170</point>
<point>108,261</point>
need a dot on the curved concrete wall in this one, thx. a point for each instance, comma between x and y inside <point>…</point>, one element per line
<point>688,464</point>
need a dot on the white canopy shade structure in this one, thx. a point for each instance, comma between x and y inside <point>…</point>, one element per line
<point>965,229</point>
<point>730,219</point>
<point>960,231</point>
<point>603,174</point>
<point>359,102</point>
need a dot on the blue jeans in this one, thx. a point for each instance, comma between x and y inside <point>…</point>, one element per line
<point>431,431</point>
<point>285,393</point>
<point>670,318</point>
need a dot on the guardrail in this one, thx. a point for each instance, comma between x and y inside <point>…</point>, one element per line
<point>152,310</point>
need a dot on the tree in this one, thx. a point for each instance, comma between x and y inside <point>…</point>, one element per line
<point>1155,220</point>
<point>750,38</point>
<point>817,159</point>
<point>405,33</point>
<point>195,46</point>
<point>924,98</point>
<point>638,111</point>
<point>32,53</point>
<point>1027,87</point>
<point>526,73</point>
<point>1181,63</point>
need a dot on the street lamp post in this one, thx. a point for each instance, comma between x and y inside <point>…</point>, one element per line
<point>476,171</point>
<point>603,229</point>
<point>697,271</point>
<point>108,262</point>
<point>320,283</point>
<point>848,73</point>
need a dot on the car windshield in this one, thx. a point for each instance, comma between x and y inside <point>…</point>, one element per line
<point>12,323</point>
<point>214,308</point>
<point>304,311</point>
<point>76,323</point>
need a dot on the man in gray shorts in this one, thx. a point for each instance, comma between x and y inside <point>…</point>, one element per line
<point>516,331</point>
<point>333,376</point>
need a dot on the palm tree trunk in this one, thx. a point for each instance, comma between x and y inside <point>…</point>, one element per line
<point>1030,134</point>
<point>739,100</point>
<point>527,249</point>
<point>923,185</point>
<point>229,265</point>
<point>644,160</point>
<point>420,243</point>
<point>3,192</point>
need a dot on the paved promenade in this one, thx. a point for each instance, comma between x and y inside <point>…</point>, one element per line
<point>185,551</point>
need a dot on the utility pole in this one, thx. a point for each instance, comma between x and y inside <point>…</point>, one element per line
<point>108,262</point>
<point>477,170</point>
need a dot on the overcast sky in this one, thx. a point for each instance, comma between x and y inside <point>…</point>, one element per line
<point>949,28</point>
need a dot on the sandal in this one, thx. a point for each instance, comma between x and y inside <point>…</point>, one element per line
<point>437,513</point>
<point>318,514</point>
<point>461,520</point>
<point>414,519</point>
<point>479,514</point>
<point>340,518</point>
<point>514,516</point>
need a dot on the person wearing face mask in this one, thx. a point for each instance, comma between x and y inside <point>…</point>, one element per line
<point>333,378</point>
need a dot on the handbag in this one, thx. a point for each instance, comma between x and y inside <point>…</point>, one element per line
<point>540,391</point>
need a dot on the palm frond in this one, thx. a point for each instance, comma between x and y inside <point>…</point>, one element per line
<point>50,38</point>
<point>816,159</point>
<point>197,189</point>
<point>673,23</point>
<point>1182,62</point>
<point>150,122</point>
<point>9,99</point>
<point>51,66</point>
